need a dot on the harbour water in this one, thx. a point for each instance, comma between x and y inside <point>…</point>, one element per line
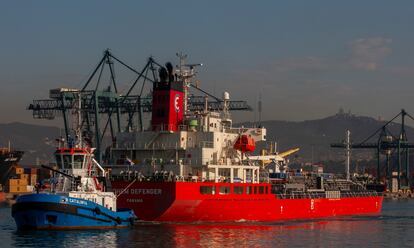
<point>393,228</point>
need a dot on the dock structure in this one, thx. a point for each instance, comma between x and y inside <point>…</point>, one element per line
<point>388,144</point>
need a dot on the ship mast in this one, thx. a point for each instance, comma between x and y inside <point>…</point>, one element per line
<point>348,153</point>
<point>185,73</point>
<point>182,58</point>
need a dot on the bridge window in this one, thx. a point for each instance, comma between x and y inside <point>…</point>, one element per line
<point>224,190</point>
<point>238,190</point>
<point>78,161</point>
<point>207,190</point>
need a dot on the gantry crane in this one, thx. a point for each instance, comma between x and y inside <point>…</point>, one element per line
<point>388,144</point>
<point>105,108</point>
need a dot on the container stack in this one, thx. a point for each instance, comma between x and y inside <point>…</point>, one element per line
<point>17,185</point>
<point>23,180</point>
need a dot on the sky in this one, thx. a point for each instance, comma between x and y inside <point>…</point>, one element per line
<point>304,59</point>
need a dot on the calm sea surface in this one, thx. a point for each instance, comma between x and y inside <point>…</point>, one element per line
<point>393,228</point>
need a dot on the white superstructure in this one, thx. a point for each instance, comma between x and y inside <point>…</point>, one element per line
<point>203,147</point>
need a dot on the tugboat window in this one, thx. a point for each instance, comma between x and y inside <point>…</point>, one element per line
<point>248,190</point>
<point>78,161</point>
<point>59,161</point>
<point>67,163</point>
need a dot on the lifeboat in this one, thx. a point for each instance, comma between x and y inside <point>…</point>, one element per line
<point>245,143</point>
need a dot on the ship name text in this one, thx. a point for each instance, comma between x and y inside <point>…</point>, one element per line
<point>139,191</point>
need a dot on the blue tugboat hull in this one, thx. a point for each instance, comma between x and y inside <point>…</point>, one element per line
<point>48,211</point>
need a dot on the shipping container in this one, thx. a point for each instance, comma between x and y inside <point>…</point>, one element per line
<point>24,181</point>
<point>24,176</point>
<point>19,170</point>
<point>13,182</point>
<point>18,182</point>
<point>33,179</point>
<point>18,189</point>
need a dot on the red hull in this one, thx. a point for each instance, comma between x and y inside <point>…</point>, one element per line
<point>2,197</point>
<point>182,201</point>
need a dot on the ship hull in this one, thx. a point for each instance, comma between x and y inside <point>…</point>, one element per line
<point>56,212</point>
<point>2,197</point>
<point>7,160</point>
<point>183,202</point>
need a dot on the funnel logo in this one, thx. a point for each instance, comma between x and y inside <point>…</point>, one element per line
<point>176,103</point>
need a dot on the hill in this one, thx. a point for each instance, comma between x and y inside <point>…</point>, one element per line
<point>38,142</point>
<point>315,136</point>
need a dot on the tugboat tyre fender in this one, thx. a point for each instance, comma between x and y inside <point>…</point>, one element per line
<point>97,210</point>
<point>118,220</point>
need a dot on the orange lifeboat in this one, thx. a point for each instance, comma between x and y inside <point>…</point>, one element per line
<point>245,144</point>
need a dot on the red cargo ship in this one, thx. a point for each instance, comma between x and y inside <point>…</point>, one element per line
<point>194,165</point>
<point>190,201</point>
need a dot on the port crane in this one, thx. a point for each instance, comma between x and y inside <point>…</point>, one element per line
<point>388,144</point>
<point>108,110</point>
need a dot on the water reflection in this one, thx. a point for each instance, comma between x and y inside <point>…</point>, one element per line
<point>313,233</point>
<point>394,228</point>
<point>107,238</point>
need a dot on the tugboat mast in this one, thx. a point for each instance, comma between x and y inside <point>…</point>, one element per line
<point>78,129</point>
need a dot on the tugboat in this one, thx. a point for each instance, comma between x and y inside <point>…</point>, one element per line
<point>77,200</point>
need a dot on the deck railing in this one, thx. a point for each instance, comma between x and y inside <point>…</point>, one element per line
<point>318,195</point>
